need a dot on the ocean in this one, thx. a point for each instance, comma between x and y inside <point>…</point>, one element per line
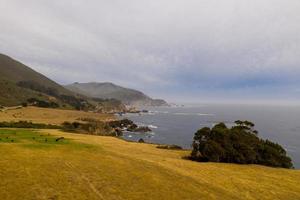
<point>177,125</point>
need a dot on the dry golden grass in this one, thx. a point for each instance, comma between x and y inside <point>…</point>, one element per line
<point>94,167</point>
<point>49,116</point>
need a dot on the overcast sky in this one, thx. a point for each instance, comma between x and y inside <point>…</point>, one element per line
<point>181,50</point>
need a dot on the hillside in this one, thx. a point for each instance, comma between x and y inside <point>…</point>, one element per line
<point>94,167</point>
<point>110,90</point>
<point>18,83</point>
<point>21,84</point>
<point>16,72</point>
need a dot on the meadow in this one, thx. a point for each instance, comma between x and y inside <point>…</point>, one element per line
<point>34,165</point>
<point>49,116</point>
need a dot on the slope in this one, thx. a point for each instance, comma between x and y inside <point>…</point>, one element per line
<point>94,167</point>
<point>18,83</point>
<point>21,84</point>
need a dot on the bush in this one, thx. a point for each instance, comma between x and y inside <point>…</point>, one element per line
<point>141,140</point>
<point>239,144</point>
<point>170,147</point>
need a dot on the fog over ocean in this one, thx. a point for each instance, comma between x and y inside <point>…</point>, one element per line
<point>177,125</point>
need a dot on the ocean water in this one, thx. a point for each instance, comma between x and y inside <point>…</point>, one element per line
<point>177,125</point>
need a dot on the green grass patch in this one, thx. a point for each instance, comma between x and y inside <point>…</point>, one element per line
<point>36,140</point>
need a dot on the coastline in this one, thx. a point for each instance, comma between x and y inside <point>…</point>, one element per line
<point>277,123</point>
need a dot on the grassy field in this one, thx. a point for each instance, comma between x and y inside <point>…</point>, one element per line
<point>49,116</point>
<point>34,165</point>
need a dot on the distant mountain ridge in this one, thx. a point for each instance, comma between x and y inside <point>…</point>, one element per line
<point>109,90</point>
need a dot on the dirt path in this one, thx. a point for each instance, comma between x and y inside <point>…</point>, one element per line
<point>86,180</point>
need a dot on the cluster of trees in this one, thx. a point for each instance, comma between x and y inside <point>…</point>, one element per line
<point>92,128</point>
<point>38,87</point>
<point>26,124</point>
<point>238,144</point>
<point>77,103</point>
<point>95,127</point>
<point>41,103</point>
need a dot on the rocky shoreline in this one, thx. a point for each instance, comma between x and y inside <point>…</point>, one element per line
<point>128,125</point>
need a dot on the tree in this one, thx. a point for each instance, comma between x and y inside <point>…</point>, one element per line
<point>239,144</point>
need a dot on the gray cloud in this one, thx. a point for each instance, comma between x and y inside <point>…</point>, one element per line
<point>163,47</point>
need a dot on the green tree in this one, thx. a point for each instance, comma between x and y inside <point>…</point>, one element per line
<point>239,144</point>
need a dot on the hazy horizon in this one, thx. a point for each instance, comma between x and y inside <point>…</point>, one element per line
<point>196,51</point>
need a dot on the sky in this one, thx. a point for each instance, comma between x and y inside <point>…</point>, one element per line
<point>179,50</point>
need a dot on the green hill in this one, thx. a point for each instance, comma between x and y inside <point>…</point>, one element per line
<point>21,84</point>
<point>110,90</point>
<point>17,72</point>
<point>18,83</point>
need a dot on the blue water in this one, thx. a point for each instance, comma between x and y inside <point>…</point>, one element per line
<point>177,125</point>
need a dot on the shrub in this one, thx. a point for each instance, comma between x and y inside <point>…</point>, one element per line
<point>141,140</point>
